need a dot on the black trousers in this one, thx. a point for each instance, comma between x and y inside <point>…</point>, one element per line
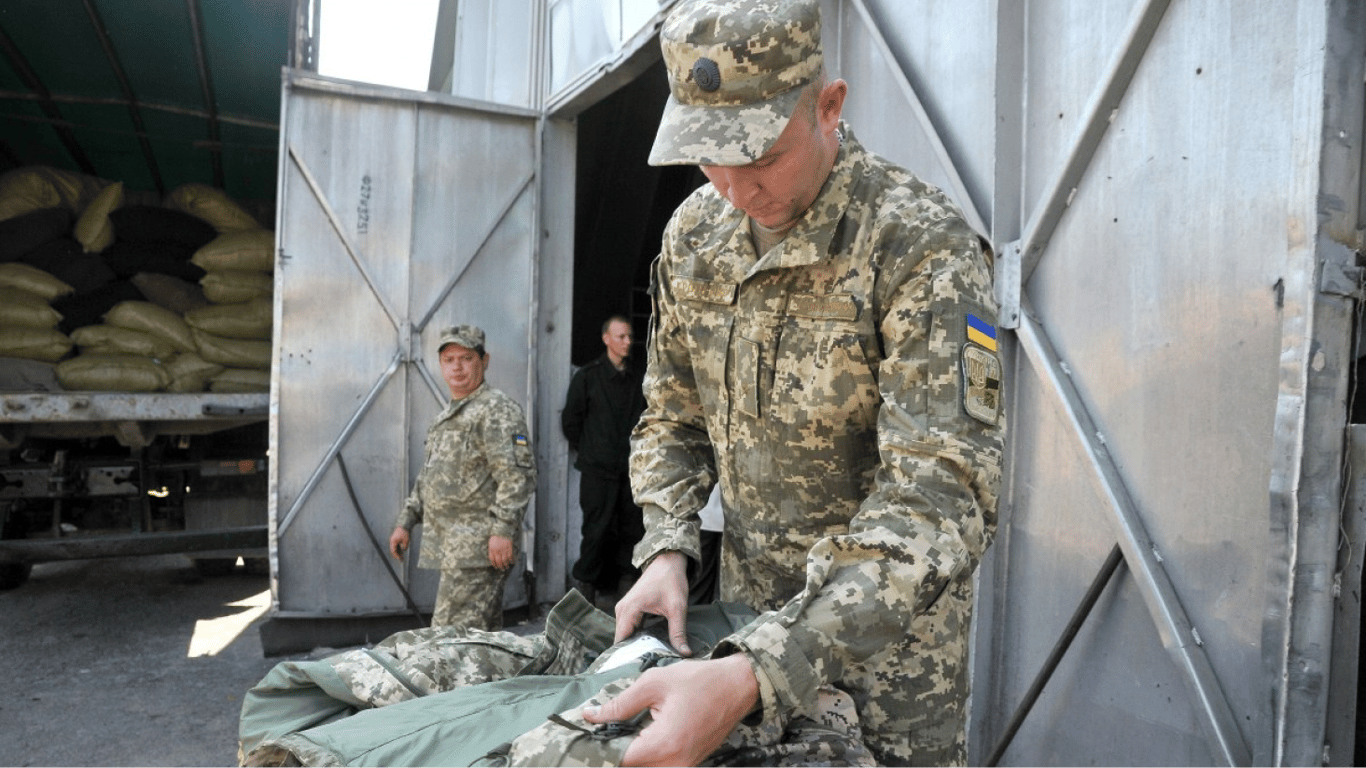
<point>612,526</point>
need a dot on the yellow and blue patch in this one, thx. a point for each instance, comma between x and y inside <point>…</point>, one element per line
<point>981,332</point>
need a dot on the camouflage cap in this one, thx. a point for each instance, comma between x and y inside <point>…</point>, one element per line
<point>467,336</point>
<point>736,69</point>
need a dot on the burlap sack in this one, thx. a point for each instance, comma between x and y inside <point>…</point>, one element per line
<point>179,296</point>
<point>46,344</point>
<point>112,373</point>
<point>93,229</point>
<point>232,353</point>
<point>252,249</point>
<point>37,282</point>
<point>248,320</point>
<point>113,340</point>
<point>149,318</point>
<point>240,380</point>
<point>212,205</point>
<point>234,286</point>
<point>33,187</point>
<point>190,372</point>
<point>21,309</point>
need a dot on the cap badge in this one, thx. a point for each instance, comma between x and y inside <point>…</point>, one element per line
<point>706,74</point>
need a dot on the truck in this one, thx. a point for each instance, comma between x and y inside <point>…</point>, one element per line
<point>154,99</point>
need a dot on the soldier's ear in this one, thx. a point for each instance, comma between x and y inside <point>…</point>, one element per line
<point>830,105</point>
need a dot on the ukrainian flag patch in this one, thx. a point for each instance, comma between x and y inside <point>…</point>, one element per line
<point>520,441</point>
<point>981,332</point>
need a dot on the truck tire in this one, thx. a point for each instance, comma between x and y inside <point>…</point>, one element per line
<point>13,575</point>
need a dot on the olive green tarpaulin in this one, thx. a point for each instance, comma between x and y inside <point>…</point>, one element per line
<point>152,93</point>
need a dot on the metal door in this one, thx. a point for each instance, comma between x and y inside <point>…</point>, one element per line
<point>400,213</point>
<point>1170,187</point>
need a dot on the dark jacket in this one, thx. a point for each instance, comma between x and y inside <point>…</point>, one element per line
<point>600,410</point>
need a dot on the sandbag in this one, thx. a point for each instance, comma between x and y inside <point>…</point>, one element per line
<point>212,205</point>
<point>112,373</point>
<point>31,188</point>
<point>234,286</point>
<point>21,309</point>
<point>111,339</point>
<point>93,229</point>
<point>46,344</point>
<point>158,321</point>
<point>28,375</point>
<point>232,353</point>
<point>22,234</point>
<point>191,373</point>
<point>151,224</point>
<point>63,259</point>
<point>248,320</point>
<point>246,249</point>
<point>240,380</point>
<point>33,280</point>
<point>179,296</point>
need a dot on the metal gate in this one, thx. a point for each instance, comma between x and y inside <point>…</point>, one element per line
<point>400,213</point>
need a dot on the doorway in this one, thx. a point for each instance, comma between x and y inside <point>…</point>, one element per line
<point>622,205</point>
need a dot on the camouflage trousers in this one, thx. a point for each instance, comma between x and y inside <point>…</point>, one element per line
<point>379,702</point>
<point>912,697</point>
<point>470,598</point>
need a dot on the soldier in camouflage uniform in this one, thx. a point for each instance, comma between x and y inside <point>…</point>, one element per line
<point>823,346</point>
<point>477,477</point>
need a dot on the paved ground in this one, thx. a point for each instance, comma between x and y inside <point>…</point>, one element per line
<point>121,662</point>
<point>132,662</point>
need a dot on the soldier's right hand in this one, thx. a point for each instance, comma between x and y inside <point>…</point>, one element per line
<point>398,543</point>
<point>663,591</point>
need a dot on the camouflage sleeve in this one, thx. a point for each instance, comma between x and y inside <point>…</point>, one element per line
<point>411,514</point>
<point>507,447</point>
<point>932,510</point>
<point>672,466</point>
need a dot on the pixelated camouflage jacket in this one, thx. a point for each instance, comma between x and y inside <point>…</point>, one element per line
<point>477,477</point>
<point>856,427</point>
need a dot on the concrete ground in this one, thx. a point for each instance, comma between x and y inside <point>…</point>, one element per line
<point>130,661</point>
<point>133,662</point>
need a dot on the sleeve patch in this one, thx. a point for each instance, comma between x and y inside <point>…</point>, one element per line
<point>981,380</point>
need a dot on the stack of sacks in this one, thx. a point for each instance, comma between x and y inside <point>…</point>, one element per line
<point>28,323</point>
<point>234,331</point>
<point>132,351</point>
<point>125,277</point>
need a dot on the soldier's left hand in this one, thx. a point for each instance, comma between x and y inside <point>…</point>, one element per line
<point>694,706</point>
<point>501,552</point>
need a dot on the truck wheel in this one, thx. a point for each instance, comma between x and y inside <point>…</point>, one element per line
<point>13,575</point>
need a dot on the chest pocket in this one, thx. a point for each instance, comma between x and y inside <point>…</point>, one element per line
<point>825,365</point>
<point>453,470</point>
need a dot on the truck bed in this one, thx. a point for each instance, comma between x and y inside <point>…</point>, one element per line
<point>133,417</point>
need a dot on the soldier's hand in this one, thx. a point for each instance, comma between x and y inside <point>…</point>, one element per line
<point>694,706</point>
<point>501,552</point>
<point>663,591</point>
<point>398,542</point>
